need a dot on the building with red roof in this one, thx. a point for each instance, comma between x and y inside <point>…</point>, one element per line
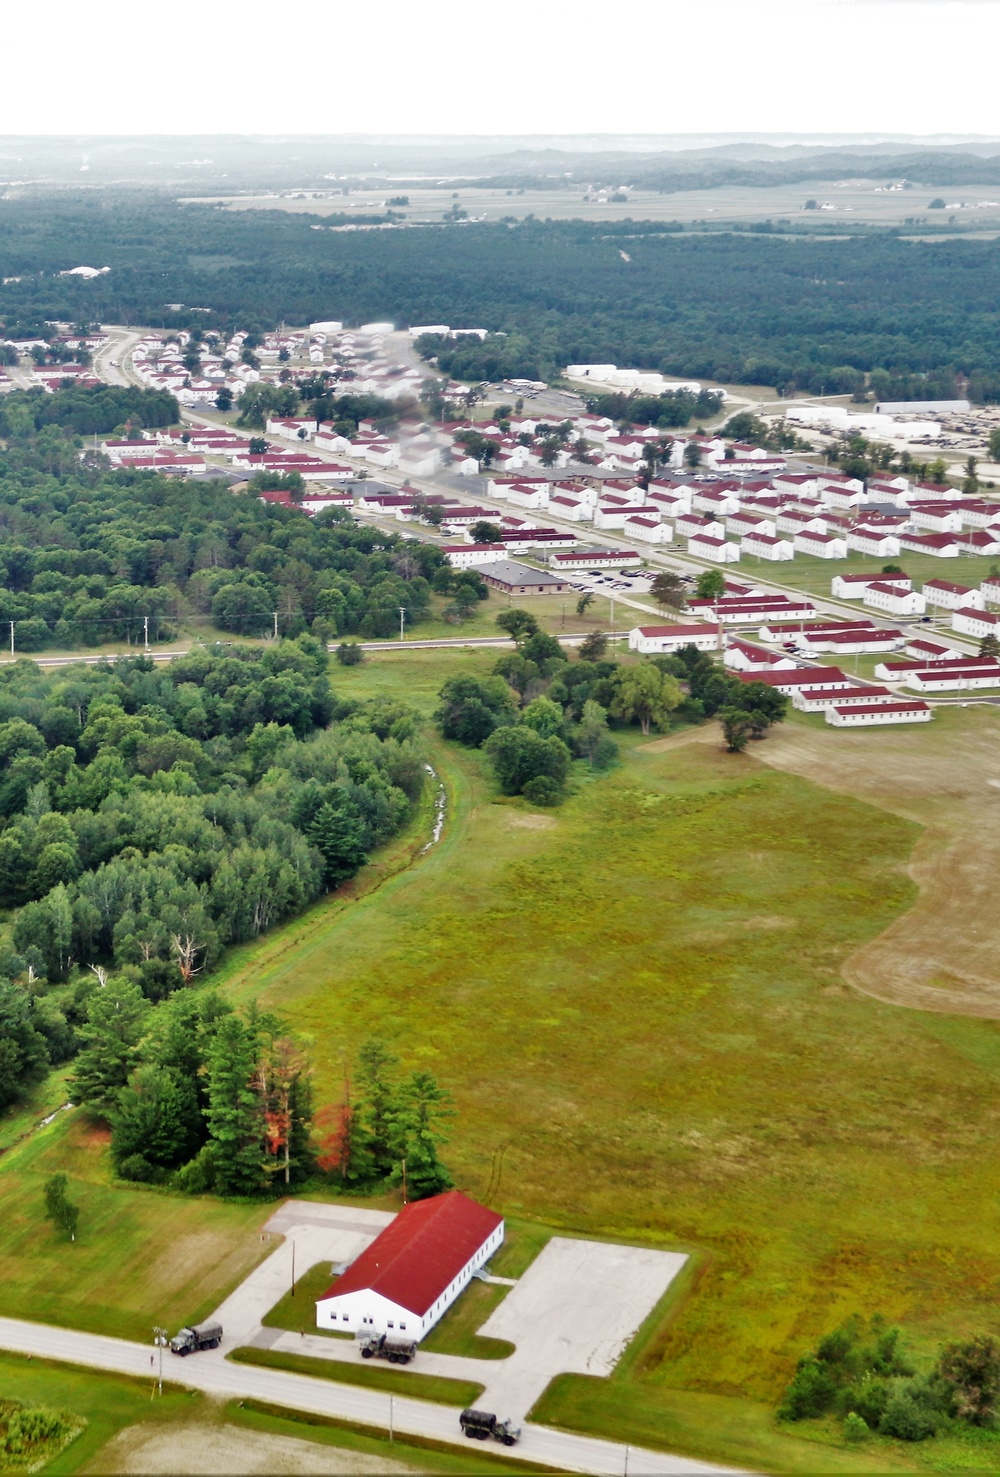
<point>415,1269</point>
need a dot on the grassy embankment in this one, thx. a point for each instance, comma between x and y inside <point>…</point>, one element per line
<point>370,1375</point>
<point>638,998</point>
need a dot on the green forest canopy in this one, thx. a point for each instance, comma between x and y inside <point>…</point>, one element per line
<point>805,311</point>
<point>87,553</point>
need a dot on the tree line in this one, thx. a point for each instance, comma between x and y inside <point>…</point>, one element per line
<point>804,314</point>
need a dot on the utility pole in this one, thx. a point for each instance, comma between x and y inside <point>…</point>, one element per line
<point>391,1413</point>
<point>402,623</point>
<point>159,1339</point>
<point>274,613</point>
<point>145,631</point>
<point>293,1269</point>
<point>403,1162</point>
<point>12,638</point>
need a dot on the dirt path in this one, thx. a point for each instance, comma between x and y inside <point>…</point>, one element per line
<point>216,1451</point>
<point>944,954</point>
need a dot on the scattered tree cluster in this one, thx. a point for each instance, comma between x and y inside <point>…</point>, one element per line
<point>541,709</point>
<point>861,1374</point>
<point>388,1129</point>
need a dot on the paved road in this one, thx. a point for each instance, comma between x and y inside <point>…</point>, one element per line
<point>211,1373</point>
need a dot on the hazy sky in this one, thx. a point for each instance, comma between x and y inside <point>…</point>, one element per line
<point>652,66</point>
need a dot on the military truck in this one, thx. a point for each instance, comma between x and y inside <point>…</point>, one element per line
<point>478,1425</point>
<point>199,1336</point>
<point>387,1346</point>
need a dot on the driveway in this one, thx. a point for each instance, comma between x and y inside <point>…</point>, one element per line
<point>313,1233</point>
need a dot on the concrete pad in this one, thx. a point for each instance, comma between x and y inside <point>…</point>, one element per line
<point>573,1311</point>
<point>319,1233</point>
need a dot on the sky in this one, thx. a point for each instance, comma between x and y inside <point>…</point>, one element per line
<point>451,67</point>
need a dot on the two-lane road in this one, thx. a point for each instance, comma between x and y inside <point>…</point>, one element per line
<point>213,1374</point>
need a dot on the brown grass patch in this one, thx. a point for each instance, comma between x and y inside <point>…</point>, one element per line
<point>943,954</point>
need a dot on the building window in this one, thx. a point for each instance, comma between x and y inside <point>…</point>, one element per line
<point>402,1325</point>
<point>391,1324</point>
<point>344,1317</point>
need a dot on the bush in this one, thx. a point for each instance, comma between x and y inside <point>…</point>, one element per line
<point>811,1393</point>
<point>855,1428</point>
<point>137,1167</point>
<point>907,1419</point>
<point>350,653</point>
<point>542,791</point>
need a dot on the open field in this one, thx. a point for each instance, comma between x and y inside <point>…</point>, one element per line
<point>941,955</point>
<point>671,1054</point>
<point>853,201</point>
<point>108,1403</point>
<point>140,1257</point>
<point>813,576</point>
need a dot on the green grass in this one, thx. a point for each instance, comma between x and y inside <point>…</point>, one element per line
<point>554,613</point>
<point>108,1403</point>
<point>141,1256</point>
<point>458,1330</point>
<point>22,1118</point>
<point>296,1311</point>
<point>424,1454</point>
<point>813,576</point>
<point>370,1374</point>
<point>637,998</point>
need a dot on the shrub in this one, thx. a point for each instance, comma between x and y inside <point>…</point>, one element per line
<point>812,1391</point>
<point>542,791</point>
<point>350,653</point>
<point>908,1419</point>
<point>855,1428</point>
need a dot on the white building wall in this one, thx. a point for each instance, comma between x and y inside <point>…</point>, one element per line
<point>366,1310</point>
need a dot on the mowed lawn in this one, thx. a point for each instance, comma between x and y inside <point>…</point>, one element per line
<point>141,1257</point>
<point>636,1000</point>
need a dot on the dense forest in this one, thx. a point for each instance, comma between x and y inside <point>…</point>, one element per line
<point>153,815</point>
<point>806,312</point>
<point>88,554</point>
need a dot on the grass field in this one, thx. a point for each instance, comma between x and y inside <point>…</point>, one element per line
<point>638,1002</point>
<point>813,576</point>
<point>371,1375</point>
<point>141,1257</point>
<point>639,999</point>
<point>458,1330</point>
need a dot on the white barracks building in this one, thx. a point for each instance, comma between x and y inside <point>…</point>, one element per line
<point>415,1269</point>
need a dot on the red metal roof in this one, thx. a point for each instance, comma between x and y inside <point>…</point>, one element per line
<point>419,1254</point>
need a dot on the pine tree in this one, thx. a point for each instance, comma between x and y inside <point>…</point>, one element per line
<point>116,1020</point>
<point>417,1133</point>
<point>338,834</point>
<point>235,1116</point>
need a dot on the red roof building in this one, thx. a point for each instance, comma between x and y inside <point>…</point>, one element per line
<point>415,1269</point>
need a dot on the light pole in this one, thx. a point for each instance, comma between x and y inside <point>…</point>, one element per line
<point>402,622</point>
<point>160,1339</point>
